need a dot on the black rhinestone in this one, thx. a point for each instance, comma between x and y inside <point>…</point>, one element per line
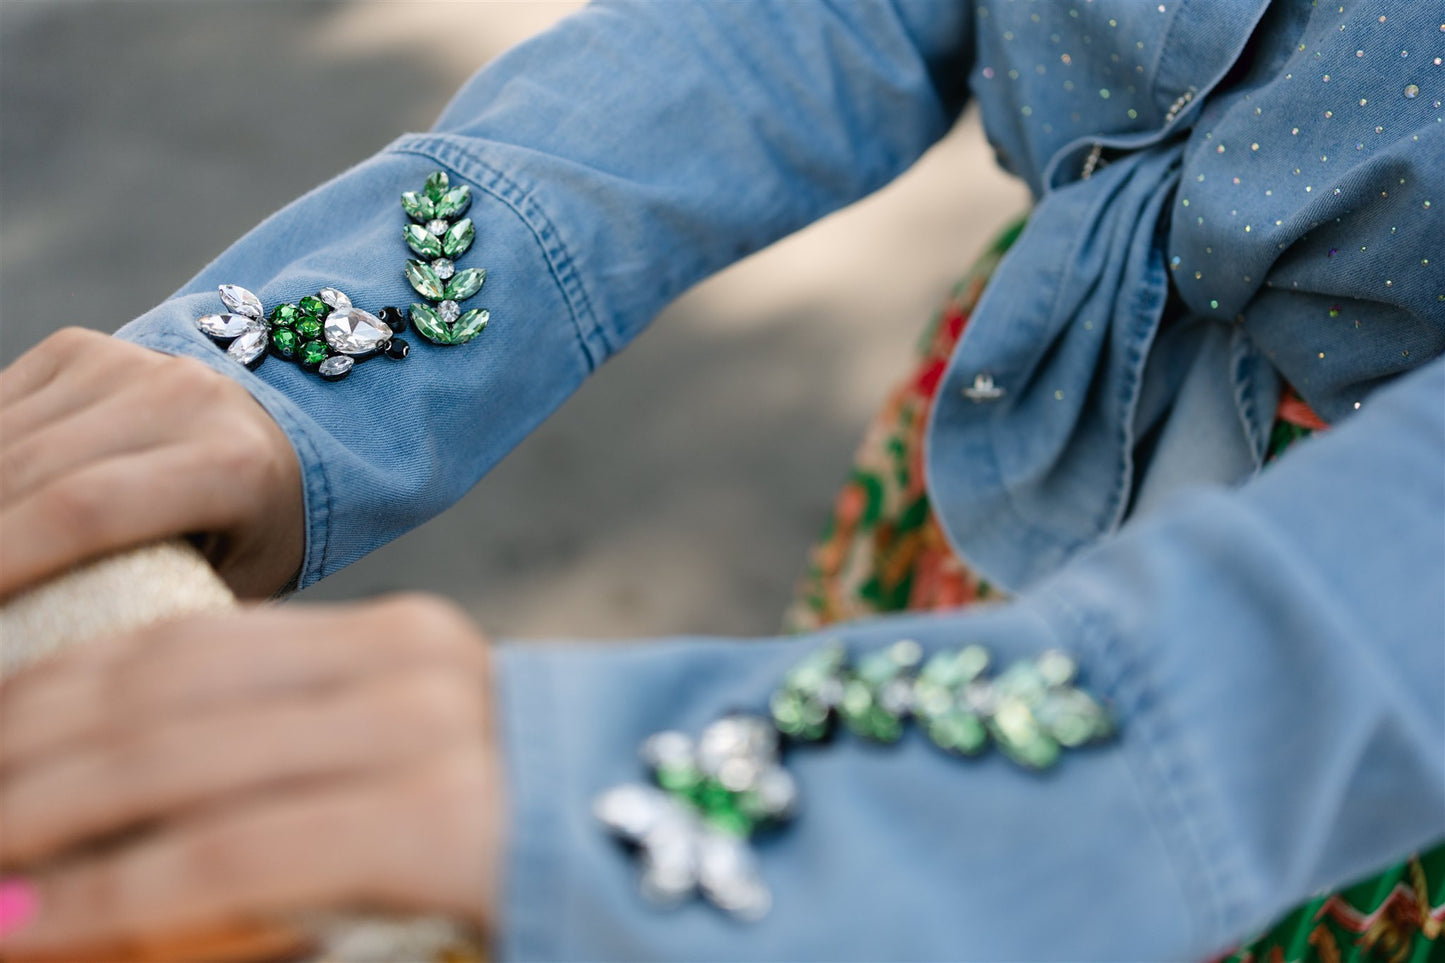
<point>396,349</point>
<point>394,319</point>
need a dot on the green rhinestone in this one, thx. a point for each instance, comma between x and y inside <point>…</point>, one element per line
<point>459,237</point>
<point>424,280</point>
<point>1019,734</point>
<point>882,726</point>
<point>313,353</point>
<point>454,201</point>
<point>682,779</point>
<point>422,241</point>
<point>710,796</point>
<point>1072,717</point>
<point>959,731</point>
<point>815,671</point>
<point>464,284</point>
<point>313,306</point>
<point>857,700</point>
<point>284,314</point>
<point>430,324</point>
<point>308,327</point>
<point>469,325</point>
<point>418,206</point>
<point>436,186</point>
<point>284,340</point>
<point>734,822</point>
<point>1022,680</point>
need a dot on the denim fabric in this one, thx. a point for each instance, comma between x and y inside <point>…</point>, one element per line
<point>1226,196</point>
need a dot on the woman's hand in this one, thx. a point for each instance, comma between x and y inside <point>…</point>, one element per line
<point>106,445</point>
<point>215,771</point>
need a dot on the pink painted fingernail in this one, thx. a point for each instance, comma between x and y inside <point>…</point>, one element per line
<point>18,905</point>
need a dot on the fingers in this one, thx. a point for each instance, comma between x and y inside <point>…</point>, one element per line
<point>252,777</point>
<point>36,367</point>
<point>162,770</point>
<point>419,841</point>
<point>66,372</point>
<point>124,501</point>
<point>68,443</point>
<point>188,666</point>
<point>105,445</point>
<point>311,848</point>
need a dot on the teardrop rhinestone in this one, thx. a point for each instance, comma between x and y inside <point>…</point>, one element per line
<point>355,332</point>
<point>334,298</point>
<point>225,325</point>
<point>249,347</point>
<point>241,301</point>
<point>336,366</point>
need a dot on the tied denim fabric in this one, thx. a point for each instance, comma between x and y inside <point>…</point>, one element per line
<point>1227,196</point>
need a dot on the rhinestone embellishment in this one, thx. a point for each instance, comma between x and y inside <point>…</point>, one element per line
<point>355,332</point>
<point>326,333</point>
<point>983,388</point>
<point>438,235</point>
<point>708,797</point>
<point>323,332</point>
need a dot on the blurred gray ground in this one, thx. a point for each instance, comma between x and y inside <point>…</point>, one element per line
<point>677,492</point>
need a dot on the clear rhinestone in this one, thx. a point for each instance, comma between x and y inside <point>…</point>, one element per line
<point>668,749</point>
<point>983,389</point>
<point>777,792</point>
<point>1057,667</point>
<point>334,298</point>
<point>443,267</point>
<point>225,325</point>
<point>354,331</point>
<point>749,740</point>
<point>670,856</point>
<point>336,366</point>
<point>1412,91</point>
<point>449,311</point>
<point>437,226</point>
<point>728,873</point>
<point>632,810</point>
<point>241,301</point>
<point>250,345</point>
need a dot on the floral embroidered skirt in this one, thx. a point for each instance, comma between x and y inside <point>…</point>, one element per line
<point>882,550</point>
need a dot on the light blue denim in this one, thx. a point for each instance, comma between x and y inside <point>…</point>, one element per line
<point>1273,640</point>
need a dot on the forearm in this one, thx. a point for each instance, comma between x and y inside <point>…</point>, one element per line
<point>1273,697</point>
<point>614,161</point>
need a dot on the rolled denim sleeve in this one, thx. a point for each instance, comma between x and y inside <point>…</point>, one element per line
<point>615,160</point>
<point>1276,658</point>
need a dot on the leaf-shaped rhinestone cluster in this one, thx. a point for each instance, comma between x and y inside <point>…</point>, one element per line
<point>691,825</point>
<point>1031,711</point>
<point>438,235</point>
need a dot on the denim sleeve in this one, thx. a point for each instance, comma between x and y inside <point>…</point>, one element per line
<point>615,160</point>
<point>1276,658</point>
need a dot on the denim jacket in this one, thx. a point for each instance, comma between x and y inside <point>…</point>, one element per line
<point>1228,196</point>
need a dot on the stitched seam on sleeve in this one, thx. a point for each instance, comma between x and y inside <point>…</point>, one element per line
<point>1161,763</point>
<point>452,153</point>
